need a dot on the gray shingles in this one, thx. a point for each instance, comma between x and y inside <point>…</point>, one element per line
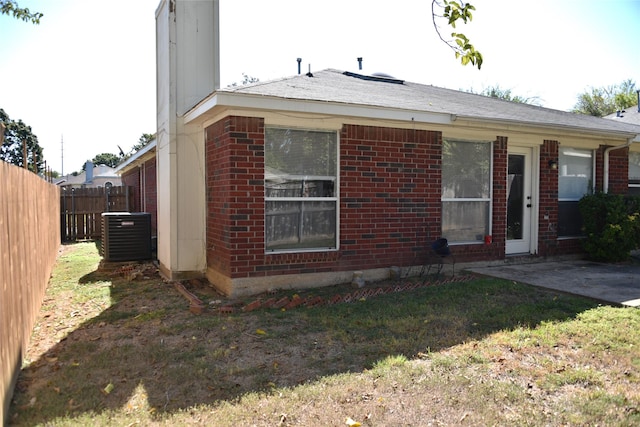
<point>336,87</point>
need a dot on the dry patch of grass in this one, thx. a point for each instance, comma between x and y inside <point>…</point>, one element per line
<point>107,351</point>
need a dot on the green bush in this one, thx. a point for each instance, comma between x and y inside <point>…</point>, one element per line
<point>612,226</point>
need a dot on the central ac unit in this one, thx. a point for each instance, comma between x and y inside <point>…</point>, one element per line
<point>126,236</point>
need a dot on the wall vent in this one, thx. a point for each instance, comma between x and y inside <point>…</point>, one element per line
<point>126,236</point>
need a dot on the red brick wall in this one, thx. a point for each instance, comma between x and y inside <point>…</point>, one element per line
<point>151,192</point>
<point>390,190</point>
<point>234,150</point>
<point>548,212</point>
<point>618,170</point>
<point>132,179</point>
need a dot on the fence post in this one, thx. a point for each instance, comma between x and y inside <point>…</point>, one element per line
<point>74,223</point>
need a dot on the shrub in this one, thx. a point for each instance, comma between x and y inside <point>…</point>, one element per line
<point>612,226</point>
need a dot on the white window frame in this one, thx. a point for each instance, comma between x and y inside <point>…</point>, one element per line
<point>335,199</point>
<point>488,200</point>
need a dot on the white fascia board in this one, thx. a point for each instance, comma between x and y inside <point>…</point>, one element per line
<point>199,113</point>
<point>547,127</point>
<point>135,158</point>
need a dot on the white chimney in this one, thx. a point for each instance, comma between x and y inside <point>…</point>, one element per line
<point>187,71</point>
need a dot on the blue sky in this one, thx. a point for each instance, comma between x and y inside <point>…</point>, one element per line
<point>86,74</point>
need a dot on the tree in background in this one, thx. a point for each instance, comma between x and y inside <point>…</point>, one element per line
<point>10,7</point>
<point>505,94</point>
<point>144,140</point>
<point>108,159</point>
<point>602,101</point>
<point>16,135</point>
<point>246,79</point>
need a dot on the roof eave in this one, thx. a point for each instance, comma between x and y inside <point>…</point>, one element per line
<point>144,154</point>
<point>552,126</point>
<point>207,108</point>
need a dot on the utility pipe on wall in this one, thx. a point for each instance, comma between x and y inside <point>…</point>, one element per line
<point>605,184</point>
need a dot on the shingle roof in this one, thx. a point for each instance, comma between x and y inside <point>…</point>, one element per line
<point>335,86</point>
<point>629,115</point>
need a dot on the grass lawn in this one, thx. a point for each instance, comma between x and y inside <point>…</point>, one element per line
<point>109,351</point>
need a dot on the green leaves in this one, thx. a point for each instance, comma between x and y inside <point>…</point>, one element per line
<point>452,12</point>
<point>10,7</point>
<point>465,51</point>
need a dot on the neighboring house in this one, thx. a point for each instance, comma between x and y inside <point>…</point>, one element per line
<point>301,181</point>
<point>631,115</point>
<point>139,172</point>
<point>93,176</point>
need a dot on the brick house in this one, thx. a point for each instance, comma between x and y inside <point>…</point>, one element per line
<point>301,181</point>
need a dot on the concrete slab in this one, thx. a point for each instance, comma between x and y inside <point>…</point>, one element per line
<point>611,283</point>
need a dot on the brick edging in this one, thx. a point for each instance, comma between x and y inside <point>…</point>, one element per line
<point>286,303</point>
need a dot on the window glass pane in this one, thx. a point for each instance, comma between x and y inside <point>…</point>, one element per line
<point>569,219</point>
<point>283,187</point>
<point>300,164</point>
<point>466,169</point>
<point>634,168</point>
<point>465,221</point>
<point>575,176</point>
<point>300,225</point>
<point>293,154</point>
<point>466,174</point>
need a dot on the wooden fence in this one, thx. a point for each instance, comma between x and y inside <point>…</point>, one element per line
<point>29,244</point>
<point>81,210</point>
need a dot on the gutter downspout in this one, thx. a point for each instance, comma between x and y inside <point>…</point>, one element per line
<point>605,184</point>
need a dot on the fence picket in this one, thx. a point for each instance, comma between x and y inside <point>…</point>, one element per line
<point>29,243</point>
<point>81,210</point>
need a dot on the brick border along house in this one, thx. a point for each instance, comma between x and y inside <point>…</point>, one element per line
<point>300,181</point>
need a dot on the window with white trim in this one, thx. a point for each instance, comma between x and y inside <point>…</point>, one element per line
<point>301,189</point>
<point>575,179</point>
<point>466,190</point>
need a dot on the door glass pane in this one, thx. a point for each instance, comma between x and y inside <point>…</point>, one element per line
<point>515,188</point>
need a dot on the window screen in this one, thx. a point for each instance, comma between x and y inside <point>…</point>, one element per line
<point>466,190</point>
<point>575,179</point>
<point>300,189</point>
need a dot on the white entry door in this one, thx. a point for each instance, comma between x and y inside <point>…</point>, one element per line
<point>519,201</point>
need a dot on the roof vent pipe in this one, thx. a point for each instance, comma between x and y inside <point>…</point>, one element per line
<point>299,61</point>
<point>360,63</point>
